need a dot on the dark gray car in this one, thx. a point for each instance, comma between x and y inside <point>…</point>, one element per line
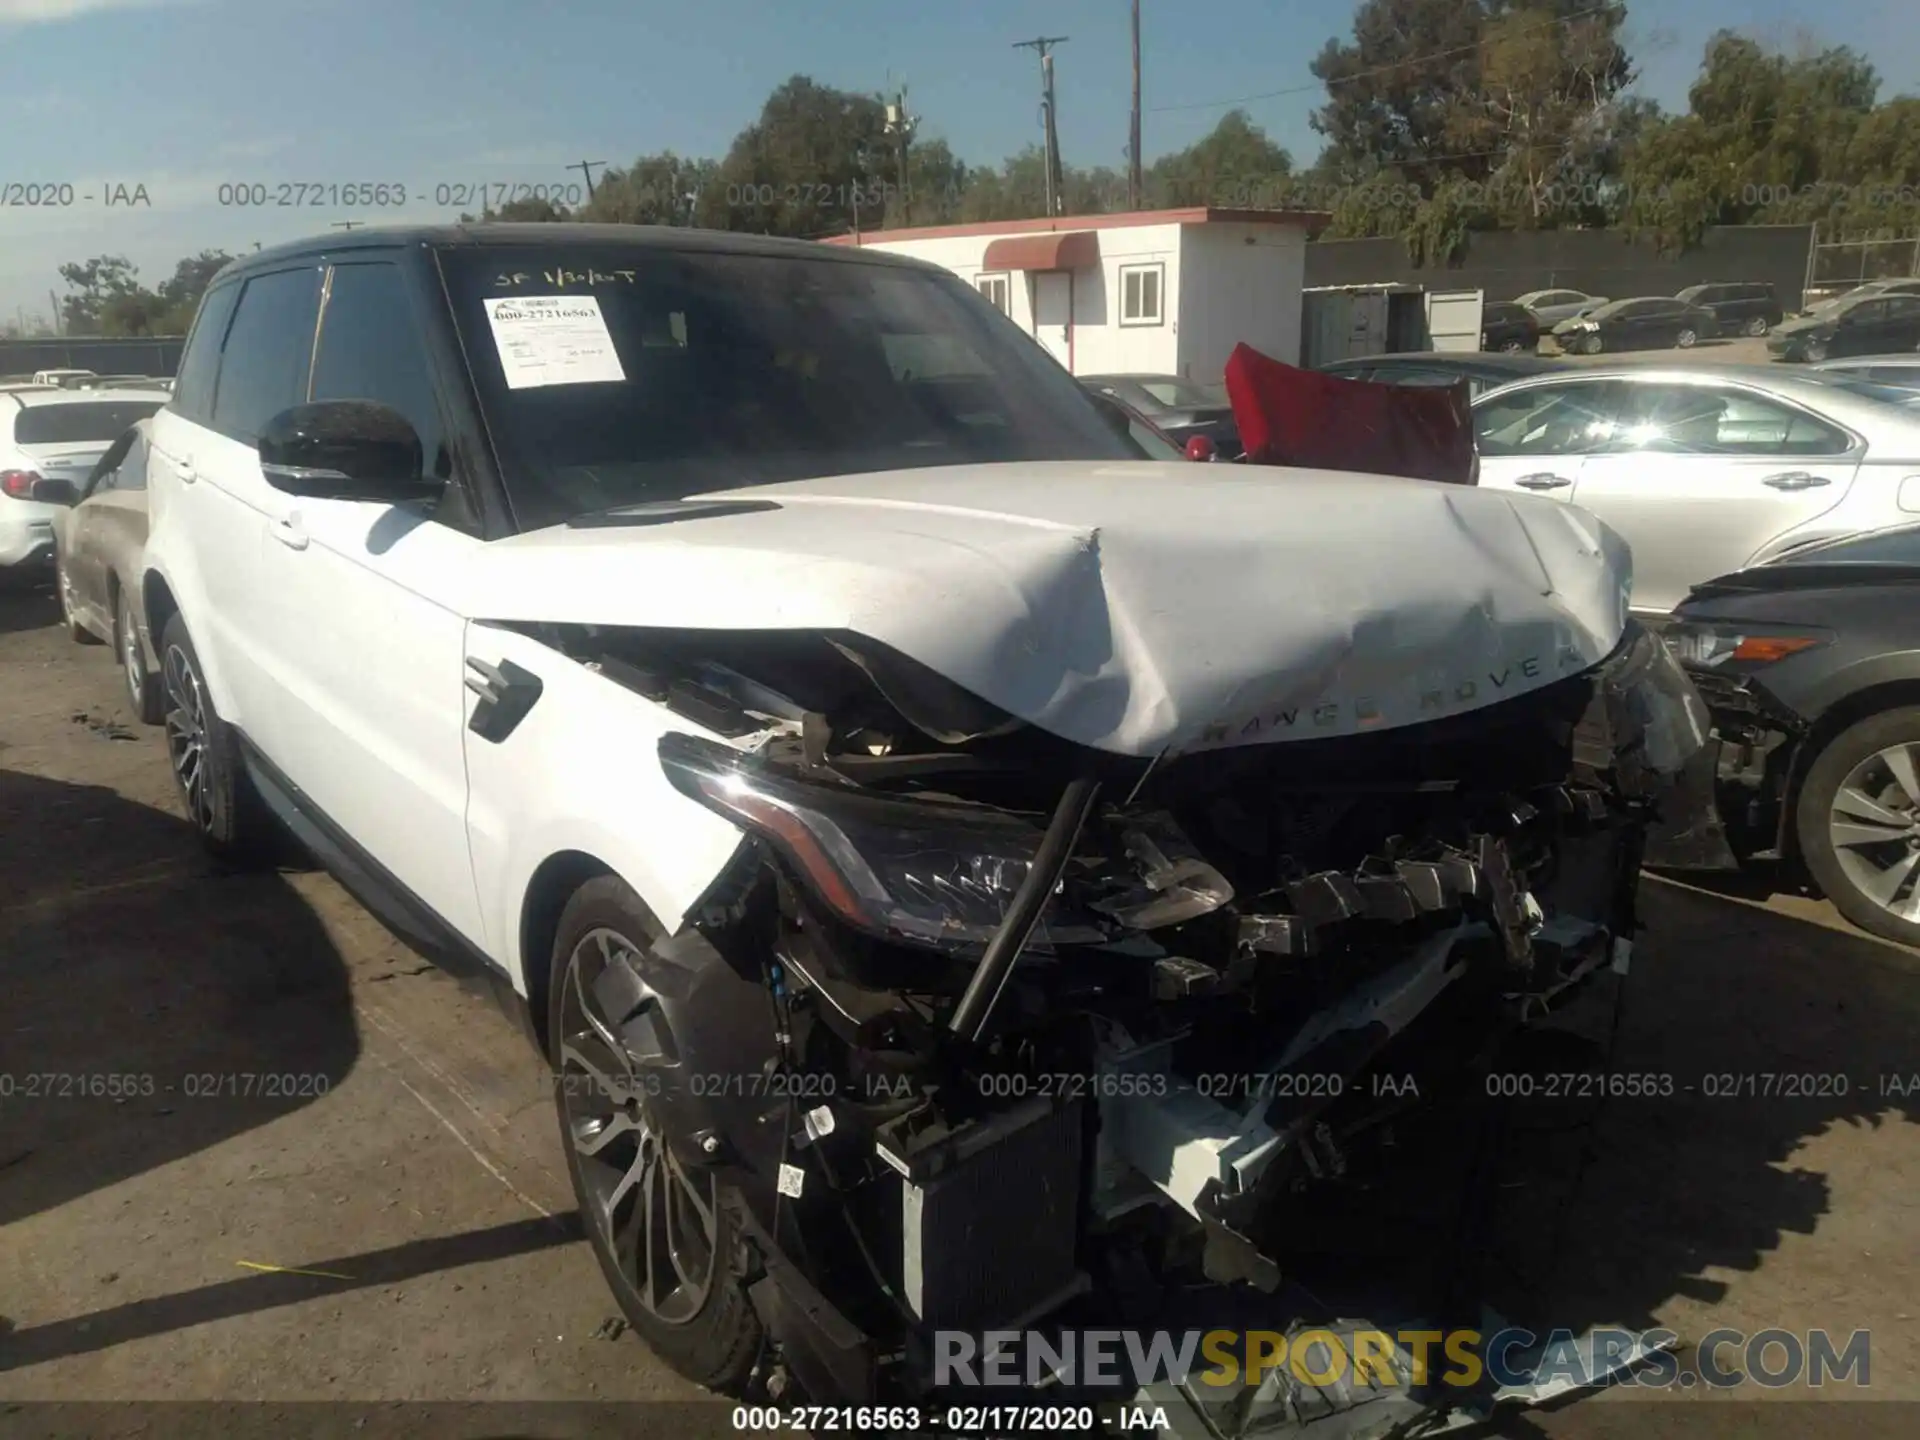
<point>1809,667</point>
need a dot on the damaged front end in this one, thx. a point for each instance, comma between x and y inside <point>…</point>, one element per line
<point>1016,1026</point>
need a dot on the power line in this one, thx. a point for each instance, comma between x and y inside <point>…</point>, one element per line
<point>1411,60</point>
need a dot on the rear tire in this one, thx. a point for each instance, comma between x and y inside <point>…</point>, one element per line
<point>204,753</point>
<point>1758,326</point>
<point>621,1162</point>
<point>1857,821</point>
<point>143,692</point>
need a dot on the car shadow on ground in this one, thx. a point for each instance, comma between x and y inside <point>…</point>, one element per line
<point>154,1005</point>
<point>27,603</point>
<point>1653,1135</point>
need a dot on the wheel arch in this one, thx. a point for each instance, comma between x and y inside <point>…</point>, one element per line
<point>160,599</point>
<point>552,884</point>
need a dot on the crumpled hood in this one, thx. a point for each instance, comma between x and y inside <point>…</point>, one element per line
<point>1135,608</point>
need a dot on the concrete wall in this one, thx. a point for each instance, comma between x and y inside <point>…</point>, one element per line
<point>1600,262</point>
<point>1239,283</point>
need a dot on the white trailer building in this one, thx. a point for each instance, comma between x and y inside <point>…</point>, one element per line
<point>1166,292</point>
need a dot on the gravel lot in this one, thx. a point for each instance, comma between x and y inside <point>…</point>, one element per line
<point>415,1168</point>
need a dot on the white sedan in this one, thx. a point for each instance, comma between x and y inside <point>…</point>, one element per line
<point>1708,469</point>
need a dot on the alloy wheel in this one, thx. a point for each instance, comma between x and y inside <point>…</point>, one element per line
<point>186,723</point>
<point>657,1220</point>
<point>1874,824</point>
<point>1685,339</point>
<point>1758,326</point>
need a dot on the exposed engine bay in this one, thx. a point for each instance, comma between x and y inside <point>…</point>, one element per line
<point>1009,1018</point>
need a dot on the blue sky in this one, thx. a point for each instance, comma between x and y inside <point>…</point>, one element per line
<point>182,95</point>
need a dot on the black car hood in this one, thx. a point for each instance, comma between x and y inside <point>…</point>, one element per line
<point>1778,578</point>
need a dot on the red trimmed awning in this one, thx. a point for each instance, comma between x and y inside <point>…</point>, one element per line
<point>1055,250</point>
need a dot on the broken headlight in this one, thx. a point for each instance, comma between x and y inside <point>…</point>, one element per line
<point>1647,682</point>
<point>926,871</point>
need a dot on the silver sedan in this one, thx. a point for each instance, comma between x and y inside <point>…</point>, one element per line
<point>1707,469</point>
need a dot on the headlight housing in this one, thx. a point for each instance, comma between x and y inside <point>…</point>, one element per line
<point>924,871</point>
<point>1709,645</point>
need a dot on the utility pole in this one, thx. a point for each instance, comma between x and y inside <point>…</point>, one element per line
<point>1136,187</point>
<point>585,167</point>
<point>1056,180</point>
<point>900,127</point>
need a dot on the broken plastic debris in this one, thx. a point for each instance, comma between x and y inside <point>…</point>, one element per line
<point>289,1270</point>
<point>792,1180</point>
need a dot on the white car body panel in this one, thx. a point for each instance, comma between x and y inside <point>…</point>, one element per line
<point>1689,517</point>
<point>581,774</point>
<point>1134,608</point>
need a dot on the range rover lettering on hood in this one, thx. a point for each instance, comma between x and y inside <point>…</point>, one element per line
<point>1139,609</point>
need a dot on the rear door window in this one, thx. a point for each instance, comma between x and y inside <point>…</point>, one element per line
<point>87,423</point>
<point>1706,420</point>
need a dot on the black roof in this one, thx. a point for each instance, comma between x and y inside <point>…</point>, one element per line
<point>563,235</point>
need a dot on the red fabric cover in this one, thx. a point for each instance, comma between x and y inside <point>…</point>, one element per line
<point>1288,416</point>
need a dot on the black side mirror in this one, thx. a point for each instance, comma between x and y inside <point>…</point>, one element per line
<point>345,450</point>
<point>55,492</point>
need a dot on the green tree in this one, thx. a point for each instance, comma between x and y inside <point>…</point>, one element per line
<point>105,284</point>
<point>1236,166</point>
<point>662,189</point>
<point>1540,108</point>
<point>1394,90</point>
<point>798,168</point>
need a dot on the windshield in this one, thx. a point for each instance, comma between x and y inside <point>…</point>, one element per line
<point>618,375</point>
<point>83,423</point>
<point>1691,293</point>
<point>1186,394</point>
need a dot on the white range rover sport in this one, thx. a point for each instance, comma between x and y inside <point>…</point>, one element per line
<point>888,790</point>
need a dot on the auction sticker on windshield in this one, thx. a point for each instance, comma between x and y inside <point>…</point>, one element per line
<point>553,340</point>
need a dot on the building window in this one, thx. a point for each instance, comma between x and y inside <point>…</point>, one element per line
<point>995,288</point>
<point>1143,294</point>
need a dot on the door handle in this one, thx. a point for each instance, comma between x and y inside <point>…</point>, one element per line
<point>1796,480</point>
<point>1542,482</point>
<point>289,532</point>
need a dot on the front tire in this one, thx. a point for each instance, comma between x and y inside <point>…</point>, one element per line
<point>1592,345</point>
<point>204,753</point>
<point>1758,326</point>
<point>1687,339</point>
<point>662,1229</point>
<point>1815,352</point>
<point>1858,824</point>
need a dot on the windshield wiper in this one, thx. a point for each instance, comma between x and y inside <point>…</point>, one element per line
<point>661,512</point>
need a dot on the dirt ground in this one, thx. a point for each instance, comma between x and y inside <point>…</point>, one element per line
<point>297,1090</point>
